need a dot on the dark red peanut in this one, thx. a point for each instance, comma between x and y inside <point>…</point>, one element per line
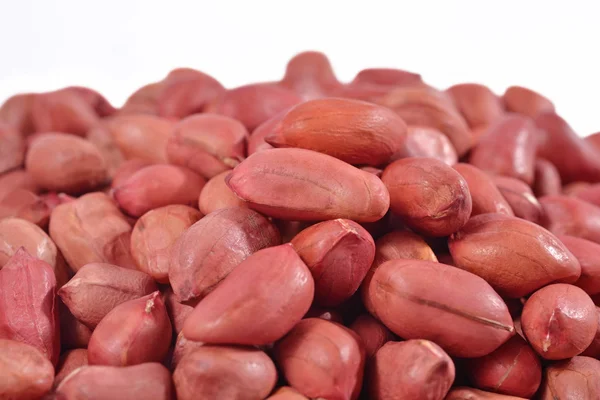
<point>428,142</point>
<point>593,349</point>
<point>577,378</point>
<point>237,312</point>
<point>587,253</point>
<point>372,333</point>
<point>73,333</point>
<point>570,216</point>
<point>547,179</point>
<point>485,195</point>
<point>322,359</point>
<point>514,256</point>
<point>477,104</point>
<point>520,198</point>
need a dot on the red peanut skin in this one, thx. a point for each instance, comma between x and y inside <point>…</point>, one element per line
<point>73,333</point>
<point>69,362</point>
<point>464,393</point>
<point>370,92</point>
<point>17,179</point>
<point>16,233</point>
<point>218,372</point>
<point>411,370</point>
<point>353,131</point>
<point>281,292</point>
<point>126,169</point>
<point>286,393</point>
<point>547,179</point>
<point>586,253</point>
<point>62,111</point>
<point>322,359</point>
<point>135,332</point>
<point>570,216</point>
<point>26,373</point>
<point>24,204</point>
<point>456,309</point>
<point>303,185</point>
<point>158,186</point>
<point>213,247</point>
<point>253,104</point>
<point>144,101</point>
<point>152,381</point>
<point>525,101</point>
<point>520,198</point>
<point>208,144</point>
<point>182,348</point>
<point>559,321</point>
<point>574,158</point>
<point>516,257</point>
<point>508,148</point>
<point>98,288</point>
<point>256,141</point>
<point>28,304</point>
<point>216,195</point>
<point>477,103</point>
<point>593,349</point>
<point>428,142</point>
<point>155,233</point>
<point>577,378</point>
<point>372,333</point>
<point>386,77</point>
<point>424,106</point>
<point>485,195</point>
<point>91,229</point>
<point>95,100</point>
<point>338,253</point>
<point>428,195</point>
<point>16,112</point>
<point>512,369</point>
<point>12,148</point>
<point>594,140</point>
<point>590,193</point>
<point>177,311</point>
<point>310,75</point>
<point>65,163</point>
<point>188,96</point>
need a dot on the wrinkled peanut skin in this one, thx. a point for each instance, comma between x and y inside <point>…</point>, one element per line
<point>12,148</point>
<point>428,195</point>
<point>143,381</point>
<point>26,373</point>
<point>512,369</point>
<point>310,75</point>
<point>135,332</point>
<point>424,106</point>
<point>411,296</point>
<point>525,101</point>
<point>208,144</point>
<point>91,229</point>
<point>464,393</point>
<point>237,312</point>
<point>520,198</point>
<point>322,359</point>
<point>303,185</point>
<point>477,103</point>
<point>586,253</point>
<point>428,142</point>
<point>547,179</point>
<point>155,233</point>
<point>514,256</point>
<point>216,195</point>
<point>508,148</point>
<point>185,97</point>
<point>338,253</point>
<point>97,288</point>
<point>69,362</point>
<point>485,195</point>
<point>158,186</point>
<point>28,304</point>
<point>577,378</point>
<point>571,216</point>
<point>213,247</point>
<point>220,372</point>
<point>62,111</point>
<point>572,156</point>
<point>372,333</point>
<point>353,131</point>
<point>411,370</point>
<point>16,233</point>
<point>559,321</point>
<point>253,104</point>
<point>65,163</point>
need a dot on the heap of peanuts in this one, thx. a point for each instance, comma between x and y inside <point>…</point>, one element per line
<point>298,239</point>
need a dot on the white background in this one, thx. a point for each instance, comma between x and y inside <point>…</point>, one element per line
<point>117,46</point>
